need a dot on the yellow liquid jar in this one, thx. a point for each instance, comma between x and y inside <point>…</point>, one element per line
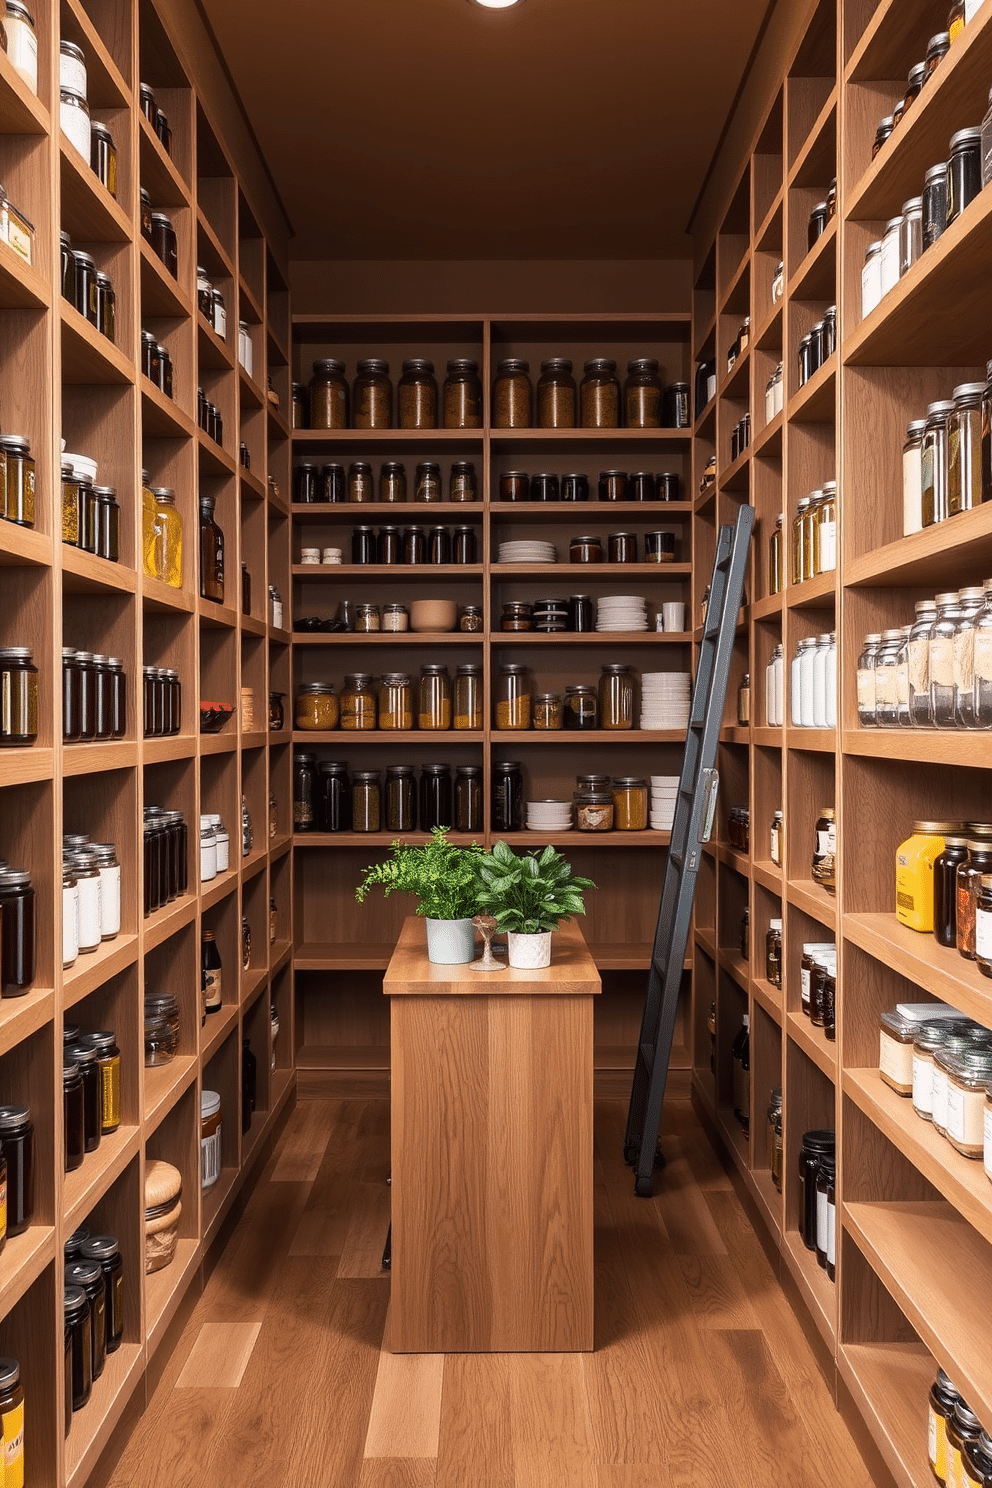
<point>914,874</point>
<point>167,548</point>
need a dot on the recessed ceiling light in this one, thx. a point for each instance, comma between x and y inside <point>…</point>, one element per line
<point>496,4</point>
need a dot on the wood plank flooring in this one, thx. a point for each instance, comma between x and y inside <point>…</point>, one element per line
<point>701,1372</point>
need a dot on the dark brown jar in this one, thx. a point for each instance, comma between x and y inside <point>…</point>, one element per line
<point>18,697</point>
<point>361,483</point>
<point>599,394</point>
<point>300,406</point>
<point>622,547</point>
<point>416,395</point>
<point>512,395</point>
<point>642,486</point>
<point>516,616</point>
<point>514,485</point>
<point>585,550</point>
<point>556,395</point>
<point>438,546</point>
<point>414,545</point>
<point>945,870</point>
<point>937,48</point>
<point>642,394</point>
<point>328,395</point>
<point>427,487</point>
<point>389,545</point>
<point>392,482</point>
<point>544,487</point>
<point>575,486</point>
<point>462,485</point>
<point>462,395</point>
<point>678,413</point>
<point>372,397</point>
<point>464,546</point>
<point>817,225</point>
<point>613,485</point>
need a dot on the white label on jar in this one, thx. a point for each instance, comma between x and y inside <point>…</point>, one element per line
<point>110,892</point>
<point>885,686</point>
<point>832,839</point>
<point>955,1112</point>
<point>822,1227</point>
<point>210,1159</point>
<point>828,546</point>
<point>220,320</point>
<point>939,1098</point>
<point>923,1084</point>
<point>70,924</point>
<point>866,689</point>
<point>983,655</point>
<point>988,1140</point>
<point>932,1445</point>
<point>912,494</point>
<point>971,9</point>
<point>223,849</point>
<point>769,403</point>
<point>942,661</point>
<point>72,73</point>
<point>831,1232</point>
<point>889,272</point>
<point>213,988</point>
<point>964,660</point>
<point>75,122</point>
<point>805,986</point>
<point>871,285</point>
<point>22,50</point>
<point>966,1117</point>
<point>823,844</point>
<point>900,682</point>
<point>895,1062</point>
<point>208,861</point>
<point>983,934</point>
<point>918,657</point>
<point>90,913</point>
<point>774,847</point>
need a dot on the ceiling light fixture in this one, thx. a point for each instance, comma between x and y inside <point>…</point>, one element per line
<point>496,4</point>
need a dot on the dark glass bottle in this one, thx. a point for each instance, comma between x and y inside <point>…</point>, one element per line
<point>212,976</point>
<point>304,793</point>
<point>249,1084</point>
<point>333,803</point>
<point>945,871</point>
<point>436,804</point>
<point>507,797</point>
<point>211,553</point>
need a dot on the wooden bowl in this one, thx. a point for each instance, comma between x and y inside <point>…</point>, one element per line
<point>433,614</point>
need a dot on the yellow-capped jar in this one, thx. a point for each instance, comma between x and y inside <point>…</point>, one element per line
<point>914,874</point>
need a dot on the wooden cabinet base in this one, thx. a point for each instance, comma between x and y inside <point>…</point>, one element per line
<point>492,1163</point>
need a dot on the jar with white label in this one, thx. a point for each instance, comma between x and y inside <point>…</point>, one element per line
<point>70,916</point>
<point>912,478</point>
<point>866,681</point>
<point>222,840</point>
<point>988,1132</point>
<point>945,1059</point>
<point>918,663</point>
<point>970,602</point>
<point>245,350</point>
<point>825,530</point>
<point>824,863</point>
<point>22,42</point>
<point>941,662</point>
<point>72,67</point>
<point>983,662</point>
<point>871,279</point>
<point>890,255</point>
<point>966,1086</point>
<point>887,680</point>
<point>930,1038</point>
<point>210,1138</point>
<point>896,1038</point>
<point>821,657</point>
<point>208,851</point>
<point>74,119</point>
<point>110,889</point>
<point>84,865</point>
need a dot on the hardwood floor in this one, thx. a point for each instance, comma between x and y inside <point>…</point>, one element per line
<point>701,1372</point>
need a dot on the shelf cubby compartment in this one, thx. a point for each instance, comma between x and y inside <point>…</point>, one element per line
<point>27,825</point>
<point>255,909</point>
<point>167,175</point>
<point>216,195</point>
<point>222,1073</point>
<point>810,81</point>
<point>731,1008</point>
<point>702,1045</point>
<point>256,1027</point>
<point>809,1103</point>
<point>767,171</point>
<point>175,1139</point>
<point>27,1328</point>
<point>174,966</point>
<point>27,1079</point>
<point>25,371</point>
<point>766,1075</point>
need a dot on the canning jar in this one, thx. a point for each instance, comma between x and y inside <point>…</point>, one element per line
<point>366,801</point>
<point>513,697</point>
<point>299,399</point>
<point>594,810</point>
<point>678,410</point>
<point>317,707</point>
<point>918,664</point>
<point>396,701</point>
<point>967,887</point>
<point>427,485</point>
<point>468,798</point>
<point>967,1081</point>
<point>547,710</point>
<point>164,242</point>
<point>358,702</point>
<point>544,486</point>
<point>470,619</point>
<point>599,394</point>
<point>434,697</point>
<point>945,870</point>
<point>824,863</point>
<point>305,482</point>
<point>934,204</point>
<point>642,486</point>
<point>361,483</point>
<point>363,545</point>
<point>556,395</point>
<point>414,545</point>
<point>964,171</point>
<point>331,484</point>
<point>574,486</point>
<point>585,549</point>
<point>107,517</point>
<point>395,617</point>
<point>468,697</point>
<point>332,796</point>
<point>933,463</point>
<point>18,697</point>
<point>630,803</point>
<point>616,697</point>
<point>580,709</point>
<point>438,546</point>
<point>891,679</point>
<point>401,799</point>
<point>514,485</point>
<point>910,234</point>
<point>940,652</point>
<point>22,42</point>
<point>817,224</point>
<point>416,395</point>
<point>983,663</point>
<point>367,619</point>
<point>971,604</point>
<point>372,397</point>
<point>462,485</point>
<point>507,796</point>
<point>642,394</point>
<point>19,502</point>
<point>104,1251</point>
<point>964,449</point>
<point>512,395</point>
<point>389,546</point>
<point>464,547</point>
<point>73,1117</point>
<point>462,395</point>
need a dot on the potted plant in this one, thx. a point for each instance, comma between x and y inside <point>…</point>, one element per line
<point>445,879</point>
<point>530,895</point>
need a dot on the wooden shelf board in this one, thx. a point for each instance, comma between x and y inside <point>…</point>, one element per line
<point>732,857</point>
<point>254,862</point>
<point>161,294</point>
<point>817,1290</point>
<point>343,1057</point>
<point>632,438</point>
<point>21,286</point>
<point>251,483</point>
<point>216,1202</point>
<point>213,352</point>
<point>100,1169</point>
<point>252,302</point>
<point>816,276</point>
<point>165,1289</point>
<point>164,1084</point>
<point>314,440</point>
<point>813,1043</point>
<point>808,896</point>
<point>220,616</point>
<point>93,1427</point>
<point>252,982</point>
<point>938,555</point>
<point>85,573</point>
<point>735,734</point>
<point>218,888</point>
<point>21,111</point>
<point>160,175</point>
<point>336,956</point>
<point>767,443</point>
<point>943,972</point>
<point>769,608</point>
<point>546,511</point>
<point>250,390</point>
<point>768,874</point>
<point>961,1180</point>
<point>254,738</point>
<point>822,741</point>
<point>706,939</point>
<point>26,766</point>
<point>816,401</point>
<point>734,384</point>
<point>91,971</point>
<point>279,846</point>
<point>737,475</point>
<point>353,737</point>
<point>586,736</point>
<point>214,458</point>
<point>88,357</point>
<point>166,921</point>
<point>880,53</point>
<point>253,627</point>
<point>925,746</point>
<point>89,212</point>
<point>888,1381</point>
<point>616,571</point>
<point>816,160</point>
<point>280,955</point>
<point>733,962</point>
<point>23,545</point>
<point>768,998</point>
<point>768,336</point>
<point>175,747</point>
<point>94,757</point>
<point>20,1017</point>
<point>222,743</point>
<point>210,250</point>
<point>25,1256</point>
<point>615,838</point>
<point>106,85</point>
<point>216,1030</point>
<point>935,1266</point>
<point>813,594</point>
<point>162,597</point>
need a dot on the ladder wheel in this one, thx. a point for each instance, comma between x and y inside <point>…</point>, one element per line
<point>659,1159</point>
<point>644,1187</point>
<point>631,1152</point>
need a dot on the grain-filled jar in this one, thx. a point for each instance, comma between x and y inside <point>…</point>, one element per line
<point>462,484</point>
<point>515,615</point>
<point>896,1038</point>
<point>358,702</point>
<point>436,798</point>
<point>966,1085</point>
<point>400,799</point>
<point>427,486</point>
<point>599,394</point>
<point>824,864</point>
<point>585,549</point>
<point>513,697</point>
<point>512,395</point>
<point>372,395</point>
<point>395,617</point>
<point>630,803</point>
<point>396,701</point>
<point>514,485</point>
<point>468,798</point>
<point>642,394</point>
<point>392,481</point>
<point>366,801</point>
<point>22,42</point>
<point>580,709</point>
<point>416,395</point>
<point>470,619</point>
<point>507,796</point>
<point>616,697</point>
<point>19,466</point>
<point>434,697</point>
<point>18,697</point>
<point>361,483</point>
<point>367,619</point>
<point>468,697</point>
<point>462,395</point>
<point>317,708</point>
<point>548,711</point>
<point>556,395</point>
<point>594,810</point>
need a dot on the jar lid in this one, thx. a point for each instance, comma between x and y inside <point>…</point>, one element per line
<point>463,364</point>
<point>395,679</point>
<point>936,173</point>
<point>366,777</point>
<point>395,770</point>
<point>968,391</point>
<point>320,689</point>
<point>931,828</point>
<point>468,669</point>
<point>12,1117</point>
<point>16,653</point>
<point>428,467</point>
<point>468,772</point>
<point>435,769</point>
<point>512,669</point>
<point>820,1140</point>
<point>100,1248</point>
<point>75,1301</point>
<point>16,443</point>
<point>643,364</point>
<point>328,767</point>
<point>103,1040</point>
<point>608,474</point>
<point>557,364</point>
<point>362,466</point>
<point>506,767</point>
<point>372,366</point>
<point>163,217</point>
<point>418,364</point>
<point>358,679</point>
<point>10,1373</point>
<point>209,1106</point>
<point>600,364</point>
<point>70,49</point>
<point>511,365</point>
<point>616,668</point>
<point>391,467</point>
<point>70,1067</point>
<point>163,1182</point>
<point>587,538</point>
<point>965,139</point>
<point>594,798</point>
<point>83,1274</point>
<point>628,782</point>
<point>434,669</point>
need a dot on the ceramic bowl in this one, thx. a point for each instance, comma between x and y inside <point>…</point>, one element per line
<point>433,614</point>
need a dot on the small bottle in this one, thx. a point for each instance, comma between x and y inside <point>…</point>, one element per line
<point>744,701</point>
<point>211,974</point>
<point>211,553</point>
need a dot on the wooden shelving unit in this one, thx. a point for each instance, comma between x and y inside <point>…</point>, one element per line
<point>61,379</point>
<point>913,1215</point>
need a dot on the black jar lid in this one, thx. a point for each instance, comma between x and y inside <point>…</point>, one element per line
<point>432,531</point>
<point>515,475</point>
<point>600,364</point>
<point>328,367</point>
<point>642,475</point>
<point>456,530</point>
<point>100,1248</point>
<point>644,364</point>
<point>372,367</point>
<point>557,364</point>
<point>316,689</point>
<point>84,258</point>
<point>361,466</point>
<point>469,772</point>
<point>462,467</point>
<point>468,669</point>
<point>435,769</point>
<point>163,217</point>
<point>401,770</point>
<point>104,281</point>
<point>820,210</point>
<point>327,469</point>
<point>100,130</point>
<point>75,1304</point>
<point>434,669</point>
<point>965,139</point>
<point>506,767</point>
<point>70,1068</point>
<point>820,1140</point>
<point>429,467</point>
<point>616,668</point>
<point>511,365</point>
<point>413,531</point>
<point>357,678</point>
<point>365,777</point>
<point>463,365</point>
<point>418,364</point>
<point>13,1118</point>
<point>512,669</point>
<point>587,538</point>
<point>618,535</point>
<point>613,474</point>
<point>328,767</point>
<point>393,467</point>
<point>84,1274</point>
<point>575,475</point>
<point>936,173</point>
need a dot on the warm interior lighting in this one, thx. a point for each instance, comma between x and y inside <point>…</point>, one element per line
<point>497,4</point>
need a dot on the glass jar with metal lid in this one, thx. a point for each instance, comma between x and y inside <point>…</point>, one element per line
<point>642,394</point>
<point>964,171</point>
<point>329,395</point>
<point>507,796</point>
<point>400,799</point>
<point>468,798</point>
<point>434,697</point>
<point>462,394</point>
<point>599,394</point>
<point>468,697</point>
<point>983,662</point>
<point>317,708</point>
<point>17,932</point>
<point>18,697</point>
<point>392,481</point>
<point>940,656</point>
<point>630,803</point>
<point>389,546</point>
<point>299,404</point>
<point>372,395</point>
<point>436,799</point>
<point>945,1060</point>
<point>358,702</point>
<point>616,697</point>
<point>470,619</point>
<point>366,801</point>
<point>918,664</point>
<point>395,617</point>
<point>462,484</point>
<point>964,449</point>
<point>416,395</point>
<point>332,796</point>
<point>427,484</point>
<point>934,204</point>
<point>512,395</point>
<point>585,549</point>
<point>367,619</point>
<point>513,702</point>
<point>515,615</point>
<point>22,42</point>
<point>594,810</point>
<point>164,241</point>
<point>580,708</point>
<point>971,602</point>
<point>109,1058</point>
<point>968,886</point>
<point>514,485</point>
<point>824,864</point>
<point>103,156</point>
<point>556,395</point>
<point>967,1080</point>
<point>19,502</point>
<point>934,463</point>
<point>396,701</point>
<point>74,119</point>
<point>361,483</point>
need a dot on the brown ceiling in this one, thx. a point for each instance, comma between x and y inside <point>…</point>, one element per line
<point>433,129</point>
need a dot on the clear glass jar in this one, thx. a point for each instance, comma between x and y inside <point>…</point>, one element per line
<point>462,484</point>
<point>514,697</point>
<point>366,801</point>
<point>372,395</point>
<point>886,681</point>
<point>889,270</point>
<point>934,462</point>
<point>918,664</point>
<point>512,395</point>
<point>401,799</point>
<point>359,709</point>
<point>776,568</point>
<point>594,810</point>
<point>468,798</point>
<point>434,698</point>
<point>801,559</point>
<point>824,863</point>
<point>396,701</point>
<point>616,697</point>
<point>910,234</point>
<point>943,710</point>
<point>167,555</point>
<point>630,803</point>
<point>416,395</point>
<point>556,395</point>
<point>581,708</point>
<point>964,449</point>
<point>317,708</point>
<point>19,485</point>
<point>642,394</point>
<point>983,662</point>
<point>462,395</point>
<point>825,530</point>
<point>971,603</point>
<point>599,394</point>
<point>468,697</point>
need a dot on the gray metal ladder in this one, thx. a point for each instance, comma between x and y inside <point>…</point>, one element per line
<point>694,812</point>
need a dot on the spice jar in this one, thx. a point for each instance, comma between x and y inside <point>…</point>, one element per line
<point>622,547</point>
<point>470,619</point>
<point>513,697</point>
<point>19,465</point>
<point>211,1132</point>
<point>547,710</point>
<point>599,394</point>
<point>361,483</point>
<point>17,1142</point>
<point>556,395</point>
<point>964,171</point>
<point>17,932</point>
<point>468,697</point>
<point>964,449</point>
<point>358,703</point>
<point>574,486</point>
<point>983,926</point>
<point>966,1085</point>
<point>416,395</point>
<point>581,707</point>
<point>594,810</point>
<point>395,701</point>
<point>401,799</point>
<point>372,397</point>
<point>968,885</point>
<point>366,801</point>
<point>464,548</point>
<point>585,549</point>
<point>395,617</point>
<point>824,866</point>
<point>333,797</point>
<point>427,486</point>
<point>934,204</point>
<point>642,394</point>
<point>677,406</point>
<point>317,707</point>
<point>616,697</point>
<point>434,698</point>
<point>507,796</point>
<point>514,485</point>
<point>468,798</point>
<point>461,481</point>
<point>630,804</point>
<point>109,1060</point>
<point>367,619</point>
<point>18,697</point>
<point>462,395</point>
<point>945,870</point>
<point>512,395</point>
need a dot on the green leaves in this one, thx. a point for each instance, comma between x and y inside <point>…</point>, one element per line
<point>443,876</point>
<point>529,893</point>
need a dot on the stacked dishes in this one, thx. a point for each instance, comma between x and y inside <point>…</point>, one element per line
<point>664,794</point>
<point>622,612</point>
<point>527,551</point>
<point>549,816</point>
<point>665,700</point>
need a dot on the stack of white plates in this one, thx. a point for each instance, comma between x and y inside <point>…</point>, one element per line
<point>549,816</point>
<point>665,699</point>
<point>664,794</point>
<point>527,551</point>
<point>622,612</point>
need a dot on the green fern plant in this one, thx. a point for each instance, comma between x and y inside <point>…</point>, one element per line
<point>529,894</point>
<point>444,877</point>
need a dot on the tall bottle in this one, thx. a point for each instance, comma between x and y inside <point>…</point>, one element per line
<point>211,553</point>
<point>740,1054</point>
<point>211,973</point>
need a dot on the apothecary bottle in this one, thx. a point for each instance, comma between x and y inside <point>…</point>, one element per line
<point>970,602</point>
<point>167,545</point>
<point>400,799</point>
<point>776,570</point>
<point>211,553</point>
<point>513,697</point>
<point>918,663</point>
<point>333,802</point>
<point>436,800</point>
<point>912,478</point>
<point>642,394</point>
<point>416,395</point>
<point>964,171</point>
<point>945,870</point>
<point>462,395</point>
<point>599,394</point>
<point>329,395</point>
<point>512,395</point>
<point>468,697</point>
<point>372,395</point>
<point>18,936</point>
<point>304,792</point>
<point>507,796</point>
<point>616,697</point>
<point>943,697</point>
<point>964,449</point>
<point>434,697</point>
<point>556,395</point>
<point>824,864</point>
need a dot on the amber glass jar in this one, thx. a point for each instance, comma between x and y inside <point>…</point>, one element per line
<point>599,395</point>
<point>463,395</point>
<point>372,398</point>
<point>824,866</point>
<point>416,395</point>
<point>358,702</point>
<point>361,483</point>
<point>556,395</point>
<point>328,395</point>
<point>317,707</point>
<point>630,804</point>
<point>427,485</point>
<point>392,481</point>
<point>512,395</point>
<point>616,697</point>
<point>969,883</point>
<point>642,394</point>
<point>396,701</point>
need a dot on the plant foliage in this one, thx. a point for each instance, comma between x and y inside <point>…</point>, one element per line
<point>444,877</point>
<point>530,893</point>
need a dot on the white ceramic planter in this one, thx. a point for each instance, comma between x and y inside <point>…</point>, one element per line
<point>528,952</point>
<point>450,942</point>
